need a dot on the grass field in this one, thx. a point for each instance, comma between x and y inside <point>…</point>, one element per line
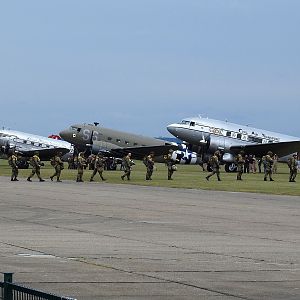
<point>187,176</point>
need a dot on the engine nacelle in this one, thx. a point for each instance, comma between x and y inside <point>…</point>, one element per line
<point>228,158</point>
<point>185,156</point>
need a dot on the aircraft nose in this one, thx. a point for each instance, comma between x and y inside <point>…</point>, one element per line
<point>172,128</point>
<point>66,134</point>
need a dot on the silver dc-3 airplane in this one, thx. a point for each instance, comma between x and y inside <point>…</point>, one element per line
<point>118,143</point>
<point>205,136</point>
<point>26,144</point>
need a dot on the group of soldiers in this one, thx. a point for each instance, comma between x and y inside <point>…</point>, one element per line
<point>98,161</point>
<point>267,161</point>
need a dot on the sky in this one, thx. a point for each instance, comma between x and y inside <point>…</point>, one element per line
<point>139,65</point>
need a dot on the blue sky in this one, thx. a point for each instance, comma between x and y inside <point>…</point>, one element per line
<point>139,65</point>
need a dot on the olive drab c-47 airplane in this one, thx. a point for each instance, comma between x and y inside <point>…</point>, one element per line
<point>118,143</point>
<point>205,136</point>
<point>26,144</point>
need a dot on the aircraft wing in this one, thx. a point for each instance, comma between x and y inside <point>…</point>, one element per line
<point>140,152</point>
<point>281,149</point>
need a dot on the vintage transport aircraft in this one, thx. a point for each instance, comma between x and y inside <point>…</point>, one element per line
<point>205,136</point>
<point>26,144</point>
<point>118,143</point>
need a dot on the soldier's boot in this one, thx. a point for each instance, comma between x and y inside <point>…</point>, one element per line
<point>271,179</point>
<point>219,179</point>
<point>29,179</point>
<point>58,180</point>
<point>12,179</point>
<point>265,179</point>
<point>91,179</point>
<point>122,177</point>
<point>103,179</point>
<point>42,180</point>
<point>207,178</point>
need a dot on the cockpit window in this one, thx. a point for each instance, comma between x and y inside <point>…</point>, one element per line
<point>185,122</point>
<point>192,124</point>
<point>78,129</point>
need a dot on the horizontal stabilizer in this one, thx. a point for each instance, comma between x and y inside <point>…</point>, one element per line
<point>259,150</point>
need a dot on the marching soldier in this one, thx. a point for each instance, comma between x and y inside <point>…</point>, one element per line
<point>293,165</point>
<point>268,163</point>
<point>240,165</point>
<point>171,164</point>
<point>150,166</point>
<point>12,161</point>
<point>58,165</point>
<point>81,163</point>
<point>127,165</point>
<point>215,165</point>
<point>36,164</point>
<point>99,163</point>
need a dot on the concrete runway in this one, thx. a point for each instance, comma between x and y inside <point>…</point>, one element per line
<point>105,241</point>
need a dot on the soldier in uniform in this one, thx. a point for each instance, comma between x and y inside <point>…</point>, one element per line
<point>171,164</point>
<point>36,164</point>
<point>12,161</point>
<point>58,165</point>
<point>127,165</point>
<point>240,165</point>
<point>99,163</point>
<point>268,162</point>
<point>150,166</point>
<point>81,163</point>
<point>215,165</point>
<point>293,165</point>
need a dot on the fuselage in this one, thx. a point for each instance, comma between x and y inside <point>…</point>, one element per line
<point>210,135</point>
<point>26,142</point>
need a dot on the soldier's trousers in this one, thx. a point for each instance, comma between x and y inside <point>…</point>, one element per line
<point>268,172</point>
<point>14,173</point>
<point>239,172</point>
<point>127,173</point>
<point>36,171</point>
<point>97,170</point>
<point>149,173</point>
<point>293,174</point>
<point>215,171</point>
<point>170,172</point>
<point>79,175</point>
<point>57,172</point>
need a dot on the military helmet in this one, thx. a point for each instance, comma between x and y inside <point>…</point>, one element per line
<point>171,151</point>
<point>270,153</point>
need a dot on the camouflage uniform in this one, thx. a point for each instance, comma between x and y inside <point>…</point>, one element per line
<point>12,161</point>
<point>150,166</point>
<point>171,164</point>
<point>268,162</point>
<point>81,163</point>
<point>36,167</point>
<point>58,165</point>
<point>127,165</point>
<point>293,165</point>
<point>240,166</point>
<point>215,165</point>
<point>99,163</point>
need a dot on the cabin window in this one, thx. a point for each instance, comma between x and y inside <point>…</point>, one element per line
<point>228,133</point>
<point>78,129</point>
<point>192,124</point>
<point>135,144</point>
<point>109,138</point>
<point>118,140</point>
<point>239,136</point>
<point>126,142</point>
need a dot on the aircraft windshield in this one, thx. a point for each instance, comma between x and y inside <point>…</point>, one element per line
<point>185,122</point>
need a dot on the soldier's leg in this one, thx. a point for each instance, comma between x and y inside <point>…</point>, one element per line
<point>38,173</point>
<point>218,175</point>
<point>169,173</point>
<point>101,175</point>
<point>31,175</point>
<point>94,173</point>
<point>16,172</point>
<point>291,175</point>
<point>58,172</point>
